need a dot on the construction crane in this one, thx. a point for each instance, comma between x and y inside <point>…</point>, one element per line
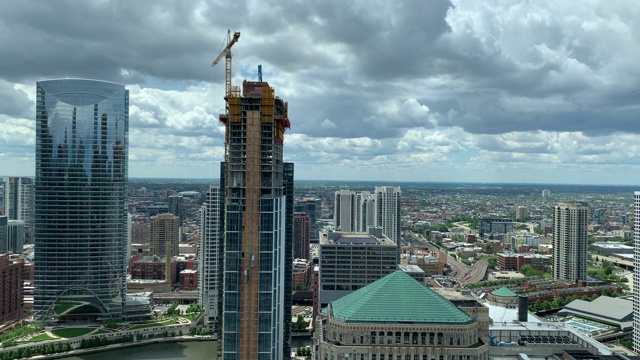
<point>226,52</point>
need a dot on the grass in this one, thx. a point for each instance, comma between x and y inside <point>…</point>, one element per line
<point>41,337</point>
<point>102,331</point>
<point>72,332</point>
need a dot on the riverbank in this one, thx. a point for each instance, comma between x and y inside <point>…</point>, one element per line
<point>99,349</point>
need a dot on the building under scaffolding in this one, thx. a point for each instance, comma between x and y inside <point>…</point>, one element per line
<point>255,250</point>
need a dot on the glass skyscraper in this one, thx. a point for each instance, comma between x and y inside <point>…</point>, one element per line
<point>80,215</point>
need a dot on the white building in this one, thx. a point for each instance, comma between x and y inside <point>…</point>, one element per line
<point>570,222</point>
<point>636,273</point>
<point>366,211</point>
<point>208,256</point>
<point>19,203</point>
<point>388,206</point>
<point>345,212</point>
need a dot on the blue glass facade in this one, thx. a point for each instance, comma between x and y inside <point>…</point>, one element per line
<point>80,214</point>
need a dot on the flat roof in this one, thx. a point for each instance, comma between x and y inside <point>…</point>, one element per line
<point>604,307</point>
<point>356,239</point>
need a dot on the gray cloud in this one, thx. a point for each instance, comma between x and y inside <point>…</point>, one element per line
<point>367,81</point>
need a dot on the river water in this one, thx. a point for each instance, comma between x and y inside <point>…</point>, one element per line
<point>196,350</point>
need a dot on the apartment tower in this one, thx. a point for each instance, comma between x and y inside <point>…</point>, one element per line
<point>345,211</point>
<point>636,272</point>
<point>208,256</point>
<point>366,211</point>
<point>388,206</point>
<point>255,231</point>
<point>301,223</point>
<point>80,197</point>
<point>19,198</point>
<point>570,222</point>
<point>165,230</point>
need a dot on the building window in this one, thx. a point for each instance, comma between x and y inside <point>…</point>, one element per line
<point>373,337</point>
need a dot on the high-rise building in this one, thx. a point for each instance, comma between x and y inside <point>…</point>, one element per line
<point>313,207</point>
<point>255,244</point>
<point>301,234</point>
<point>287,178</point>
<point>165,229</point>
<point>208,256</point>
<point>546,193</point>
<point>19,203</point>
<point>80,203</point>
<point>521,213</point>
<point>11,294</point>
<point>4,234</point>
<point>388,207</point>
<point>636,272</point>
<point>345,211</point>
<point>176,206</point>
<point>366,211</point>
<point>570,222</point>
<point>15,236</point>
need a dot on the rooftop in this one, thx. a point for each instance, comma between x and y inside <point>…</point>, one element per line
<point>503,291</point>
<point>412,303</point>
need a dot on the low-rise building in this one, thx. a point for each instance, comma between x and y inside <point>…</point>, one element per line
<point>301,273</point>
<point>189,279</point>
<point>514,261</point>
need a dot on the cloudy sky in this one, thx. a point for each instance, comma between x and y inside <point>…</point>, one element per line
<point>474,91</point>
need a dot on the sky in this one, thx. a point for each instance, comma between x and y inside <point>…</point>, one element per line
<point>462,91</point>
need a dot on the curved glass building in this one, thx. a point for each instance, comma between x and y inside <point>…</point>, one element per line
<point>80,215</point>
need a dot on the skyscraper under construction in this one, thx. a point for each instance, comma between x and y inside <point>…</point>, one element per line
<point>255,245</point>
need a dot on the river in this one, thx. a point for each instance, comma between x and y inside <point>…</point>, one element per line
<point>196,350</point>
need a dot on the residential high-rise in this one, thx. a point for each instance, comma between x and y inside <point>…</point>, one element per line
<point>345,211</point>
<point>165,229</point>
<point>301,221</point>
<point>388,207</point>
<point>521,213</point>
<point>80,198</point>
<point>313,207</point>
<point>208,256</point>
<point>570,222</point>
<point>636,272</point>
<point>19,198</point>
<point>176,206</point>
<point>15,236</point>
<point>255,243</point>
<point>366,211</point>
<point>4,234</point>
<point>287,178</point>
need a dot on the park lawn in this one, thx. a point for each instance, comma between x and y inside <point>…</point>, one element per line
<point>41,337</point>
<point>72,332</point>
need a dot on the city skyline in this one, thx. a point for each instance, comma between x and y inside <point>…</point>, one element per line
<point>540,92</point>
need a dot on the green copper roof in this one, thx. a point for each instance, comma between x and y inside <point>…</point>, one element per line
<point>503,291</point>
<point>397,297</point>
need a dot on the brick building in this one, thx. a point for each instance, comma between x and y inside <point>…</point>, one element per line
<point>11,295</point>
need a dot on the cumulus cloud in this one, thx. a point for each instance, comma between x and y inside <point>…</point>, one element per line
<point>382,89</point>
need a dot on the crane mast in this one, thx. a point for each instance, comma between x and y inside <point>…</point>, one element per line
<point>226,52</point>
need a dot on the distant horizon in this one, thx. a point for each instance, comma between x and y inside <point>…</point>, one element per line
<point>380,182</point>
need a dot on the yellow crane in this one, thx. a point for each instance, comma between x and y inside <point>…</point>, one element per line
<point>226,52</point>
